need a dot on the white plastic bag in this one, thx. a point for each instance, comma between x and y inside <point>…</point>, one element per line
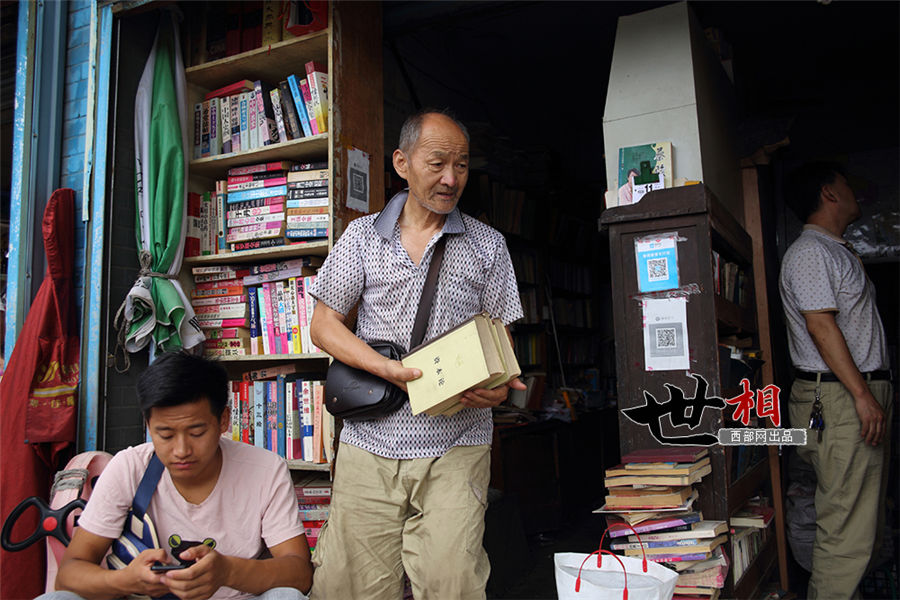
<point>613,577</point>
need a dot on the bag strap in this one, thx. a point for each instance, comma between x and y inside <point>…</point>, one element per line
<point>427,299</point>
<point>147,487</point>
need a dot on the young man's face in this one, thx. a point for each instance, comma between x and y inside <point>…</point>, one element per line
<point>437,167</point>
<point>186,440</point>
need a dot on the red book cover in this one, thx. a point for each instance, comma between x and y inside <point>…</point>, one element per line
<point>675,454</point>
<point>231,89</point>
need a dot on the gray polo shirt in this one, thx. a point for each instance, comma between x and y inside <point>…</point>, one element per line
<point>820,273</point>
<point>370,265</point>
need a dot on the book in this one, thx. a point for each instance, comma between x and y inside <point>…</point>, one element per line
<point>308,102</point>
<point>649,498</point>
<point>299,104</point>
<point>234,103</point>
<point>309,175</point>
<point>635,468</point>
<point>269,372</point>
<point>253,194</point>
<point>198,117</point>
<point>752,516</point>
<point>470,355</point>
<point>275,99</point>
<point>674,548</point>
<point>244,85</point>
<point>268,130</point>
<point>289,109</point>
<point>225,108</point>
<point>317,75</point>
<point>271,22</point>
<point>699,529</point>
<point>643,168</point>
<point>639,479</point>
<point>617,527</point>
<point>672,454</point>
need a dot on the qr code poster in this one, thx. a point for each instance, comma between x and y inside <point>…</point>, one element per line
<point>665,334</point>
<point>657,262</point>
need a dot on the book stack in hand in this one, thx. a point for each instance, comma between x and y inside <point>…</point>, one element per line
<point>653,491</point>
<point>475,354</point>
<point>314,499</point>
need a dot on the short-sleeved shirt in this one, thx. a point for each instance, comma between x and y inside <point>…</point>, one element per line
<point>252,506</point>
<point>369,265</point>
<point>821,273</point>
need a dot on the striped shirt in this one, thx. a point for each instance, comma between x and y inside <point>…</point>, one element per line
<point>369,265</point>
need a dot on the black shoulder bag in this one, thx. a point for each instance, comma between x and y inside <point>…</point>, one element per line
<point>357,394</point>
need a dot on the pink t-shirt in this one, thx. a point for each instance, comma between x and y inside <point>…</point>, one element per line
<point>252,506</point>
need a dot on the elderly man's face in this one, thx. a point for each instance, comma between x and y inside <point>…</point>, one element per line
<point>437,167</point>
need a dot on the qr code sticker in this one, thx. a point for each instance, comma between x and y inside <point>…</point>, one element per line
<point>665,338</point>
<point>658,269</point>
<point>359,185</point>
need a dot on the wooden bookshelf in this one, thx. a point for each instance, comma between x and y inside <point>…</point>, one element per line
<point>303,149</point>
<point>261,254</point>
<point>276,358</point>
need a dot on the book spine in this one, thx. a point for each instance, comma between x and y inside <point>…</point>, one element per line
<point>256,175</point>
<point>215,323</point>
<point>253,304</point>
<point>198,128</point>
<point>222,283</point>
<point>288,421</point>
<point>306,184</point>
<point>265,192</point>
<point>278,288</point>
<point>297,346</point>
<point>222,352</point>
<point>312,220</point>
<point>281,416</point>
<point>308,174</point>
<point>263,332</point>
<point>272,342</point>
<point>308,103</point>
<point>262,124</point>
<point>228,343</point>
<point>253,120</point>
<point>221,245</point>
<point>227,333</point>
<point>225,311</point>
<point>204,130</point>
<point>215,127</point>
<point>310,305</point>
<point>255,235</point>
<point>306,419</point>
<point>257,219</point>
<point>306,203</point>
<point>257,184</point>
<point>253,212</point>
<point>245,412</point>
<point>310,166</point>
<point>296,433</point>
<point>321,232</point>
<point>309,210</point>
<point>300,301</point>
<point>260,168</point>
<point>244,204</point>
<point>272,416</point>
<point>245,131</point>
<point>318,87</point>
<point>277,275</point>
<point>226,291</point>
<point>318,408</point>
<point>235,407</point>
<point>235,104</point>
<point>316,192</point>
<point>259,414</point>
<point>225,107</point>
<point>275,99</point>
<point>256,244</point>
<point>272,29</point>
<point>287,103</point>
<point>299,105</point>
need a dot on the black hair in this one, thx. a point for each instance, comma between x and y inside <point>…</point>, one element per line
<point>412,127</point>
<point>176,378</point>
<point>805,186</point>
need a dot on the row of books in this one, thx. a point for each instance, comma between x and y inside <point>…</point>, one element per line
<point>532,307</point>
<point>530,347</point>
<point>571,277</point>
<point>652,491</point>
<point>284,414</point>
<point>246,114</point>
<point>314,502</point>
<point>255,309</point>
<point>749,533</point>
<point>730,280</point>
<point>574,312</point>
<point>260,206</point>
<point>216,30</point>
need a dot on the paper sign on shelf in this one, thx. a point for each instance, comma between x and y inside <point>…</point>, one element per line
<point>665,334</point>
<point>657,262</point>
<point>358,180</point>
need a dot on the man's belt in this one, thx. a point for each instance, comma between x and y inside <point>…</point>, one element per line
<point>831,377</point>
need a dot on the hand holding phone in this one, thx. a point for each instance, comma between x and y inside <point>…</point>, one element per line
<point>161,568</point>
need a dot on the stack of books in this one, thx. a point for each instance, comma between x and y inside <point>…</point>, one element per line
<point>246,115</point>
<point>260,206</point>
<point>281,411</point>
<point>256,309</point>
<point>653,492</point>
<point>314,500</point>
<point>749,532</point>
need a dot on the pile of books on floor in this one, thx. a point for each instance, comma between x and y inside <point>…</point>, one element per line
<point>246,114</point>
<point>260,206</point>
<point>255,309</point>
<point>749,532</point>
<point>653,492</point>
<point>281,411</point>
<point>314,499</point>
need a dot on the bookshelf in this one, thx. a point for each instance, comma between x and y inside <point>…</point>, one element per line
<point>705,229</point>
<point>350,47</point>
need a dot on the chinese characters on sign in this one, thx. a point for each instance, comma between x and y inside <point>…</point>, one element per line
<point>683,410</point>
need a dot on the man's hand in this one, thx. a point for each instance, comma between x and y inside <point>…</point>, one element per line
<point>871,419</point>
<point>482,398</point>
<point>396,373</point>
<point>140,579</point>
<point>202,579</point>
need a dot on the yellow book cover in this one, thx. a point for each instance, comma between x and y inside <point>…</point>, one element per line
<point>465,357</point>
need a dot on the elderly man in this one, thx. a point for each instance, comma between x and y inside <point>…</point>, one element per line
<point>410,491</point>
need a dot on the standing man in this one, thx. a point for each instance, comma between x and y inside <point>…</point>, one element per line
<point>410,491</point>
<point>840,359</point>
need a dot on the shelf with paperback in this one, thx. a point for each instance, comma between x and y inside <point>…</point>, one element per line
<point>263,171</point>
<point>719,323</point>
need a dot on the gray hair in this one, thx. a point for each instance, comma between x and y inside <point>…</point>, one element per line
<point>412,127</point>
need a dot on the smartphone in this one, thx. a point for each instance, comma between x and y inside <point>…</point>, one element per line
<point>160,568</point>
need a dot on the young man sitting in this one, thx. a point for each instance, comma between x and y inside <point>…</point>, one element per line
<point>218,505</point>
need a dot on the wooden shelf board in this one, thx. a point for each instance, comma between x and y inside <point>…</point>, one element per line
<point>302,465</point>
<point>312,356</point>
<point>734,316</point>
<point>269,63</point>
<point>308,148</point>
<point>261,254</point>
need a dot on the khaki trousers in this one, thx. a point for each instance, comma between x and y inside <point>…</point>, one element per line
<point>852,480</point>
<point>422,516</point>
